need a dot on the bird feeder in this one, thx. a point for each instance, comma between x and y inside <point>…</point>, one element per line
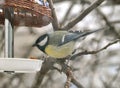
<point>21,13</point>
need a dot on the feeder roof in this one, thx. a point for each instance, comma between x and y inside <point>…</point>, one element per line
<point>27,12</point>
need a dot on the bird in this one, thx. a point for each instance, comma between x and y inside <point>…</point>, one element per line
<point>60,44</point>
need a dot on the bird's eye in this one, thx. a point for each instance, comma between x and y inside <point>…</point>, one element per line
<point>43,42</point>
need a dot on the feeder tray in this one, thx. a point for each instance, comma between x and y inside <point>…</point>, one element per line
<point>19,65</point>
<point>26,13</point>
<point>20,13</point>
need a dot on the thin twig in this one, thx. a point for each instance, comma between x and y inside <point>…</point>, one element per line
<point>108,23</point>
<point>94,52</point>
<point>115,22</point>
<point>82,15</point>
<point>68,12</point>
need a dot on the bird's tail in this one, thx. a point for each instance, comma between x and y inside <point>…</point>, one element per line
<point>87,33</point>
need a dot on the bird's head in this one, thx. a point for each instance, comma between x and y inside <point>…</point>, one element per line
<point>41,42</point>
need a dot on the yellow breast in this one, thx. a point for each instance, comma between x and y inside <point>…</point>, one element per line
<point>61,51</point>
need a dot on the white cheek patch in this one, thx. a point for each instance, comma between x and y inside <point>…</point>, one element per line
<point>43,42</point>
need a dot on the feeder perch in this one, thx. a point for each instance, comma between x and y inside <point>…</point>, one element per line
<point>21,13</point>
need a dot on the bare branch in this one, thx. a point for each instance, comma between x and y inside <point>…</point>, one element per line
<point>94,52</point>
<point>69,77</point>
<point>55,20</point>
<point>108,23</point>
<point>46,66</point>
<point>67,70</point>
<point>67,13</point>
<point>82,15</point>
<point>115,22</point>
<point>75,82</point>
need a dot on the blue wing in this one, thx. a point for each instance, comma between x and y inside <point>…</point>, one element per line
<point>72,36</point>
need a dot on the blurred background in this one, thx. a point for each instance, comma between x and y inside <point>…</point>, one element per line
<point>100,70</point>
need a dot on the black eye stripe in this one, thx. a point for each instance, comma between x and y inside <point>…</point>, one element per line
<point>43,42</point>
<point>41,38</point>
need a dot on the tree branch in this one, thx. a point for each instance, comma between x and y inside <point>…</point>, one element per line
<point>46,66</point>
<point>70,78</point>
<point>111,27</point>
<point>115,22</point>
<point>55,22</point>
<point>75,82</point>
<point>94,52</point>
<point>82,15</point>
<point>67,13</point>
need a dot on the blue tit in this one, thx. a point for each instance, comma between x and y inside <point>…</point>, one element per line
<point>60,44</point>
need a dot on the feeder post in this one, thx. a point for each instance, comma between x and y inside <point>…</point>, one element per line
<point>9,32</point>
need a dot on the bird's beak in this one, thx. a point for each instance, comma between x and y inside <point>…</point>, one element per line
<point>34,45</point>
